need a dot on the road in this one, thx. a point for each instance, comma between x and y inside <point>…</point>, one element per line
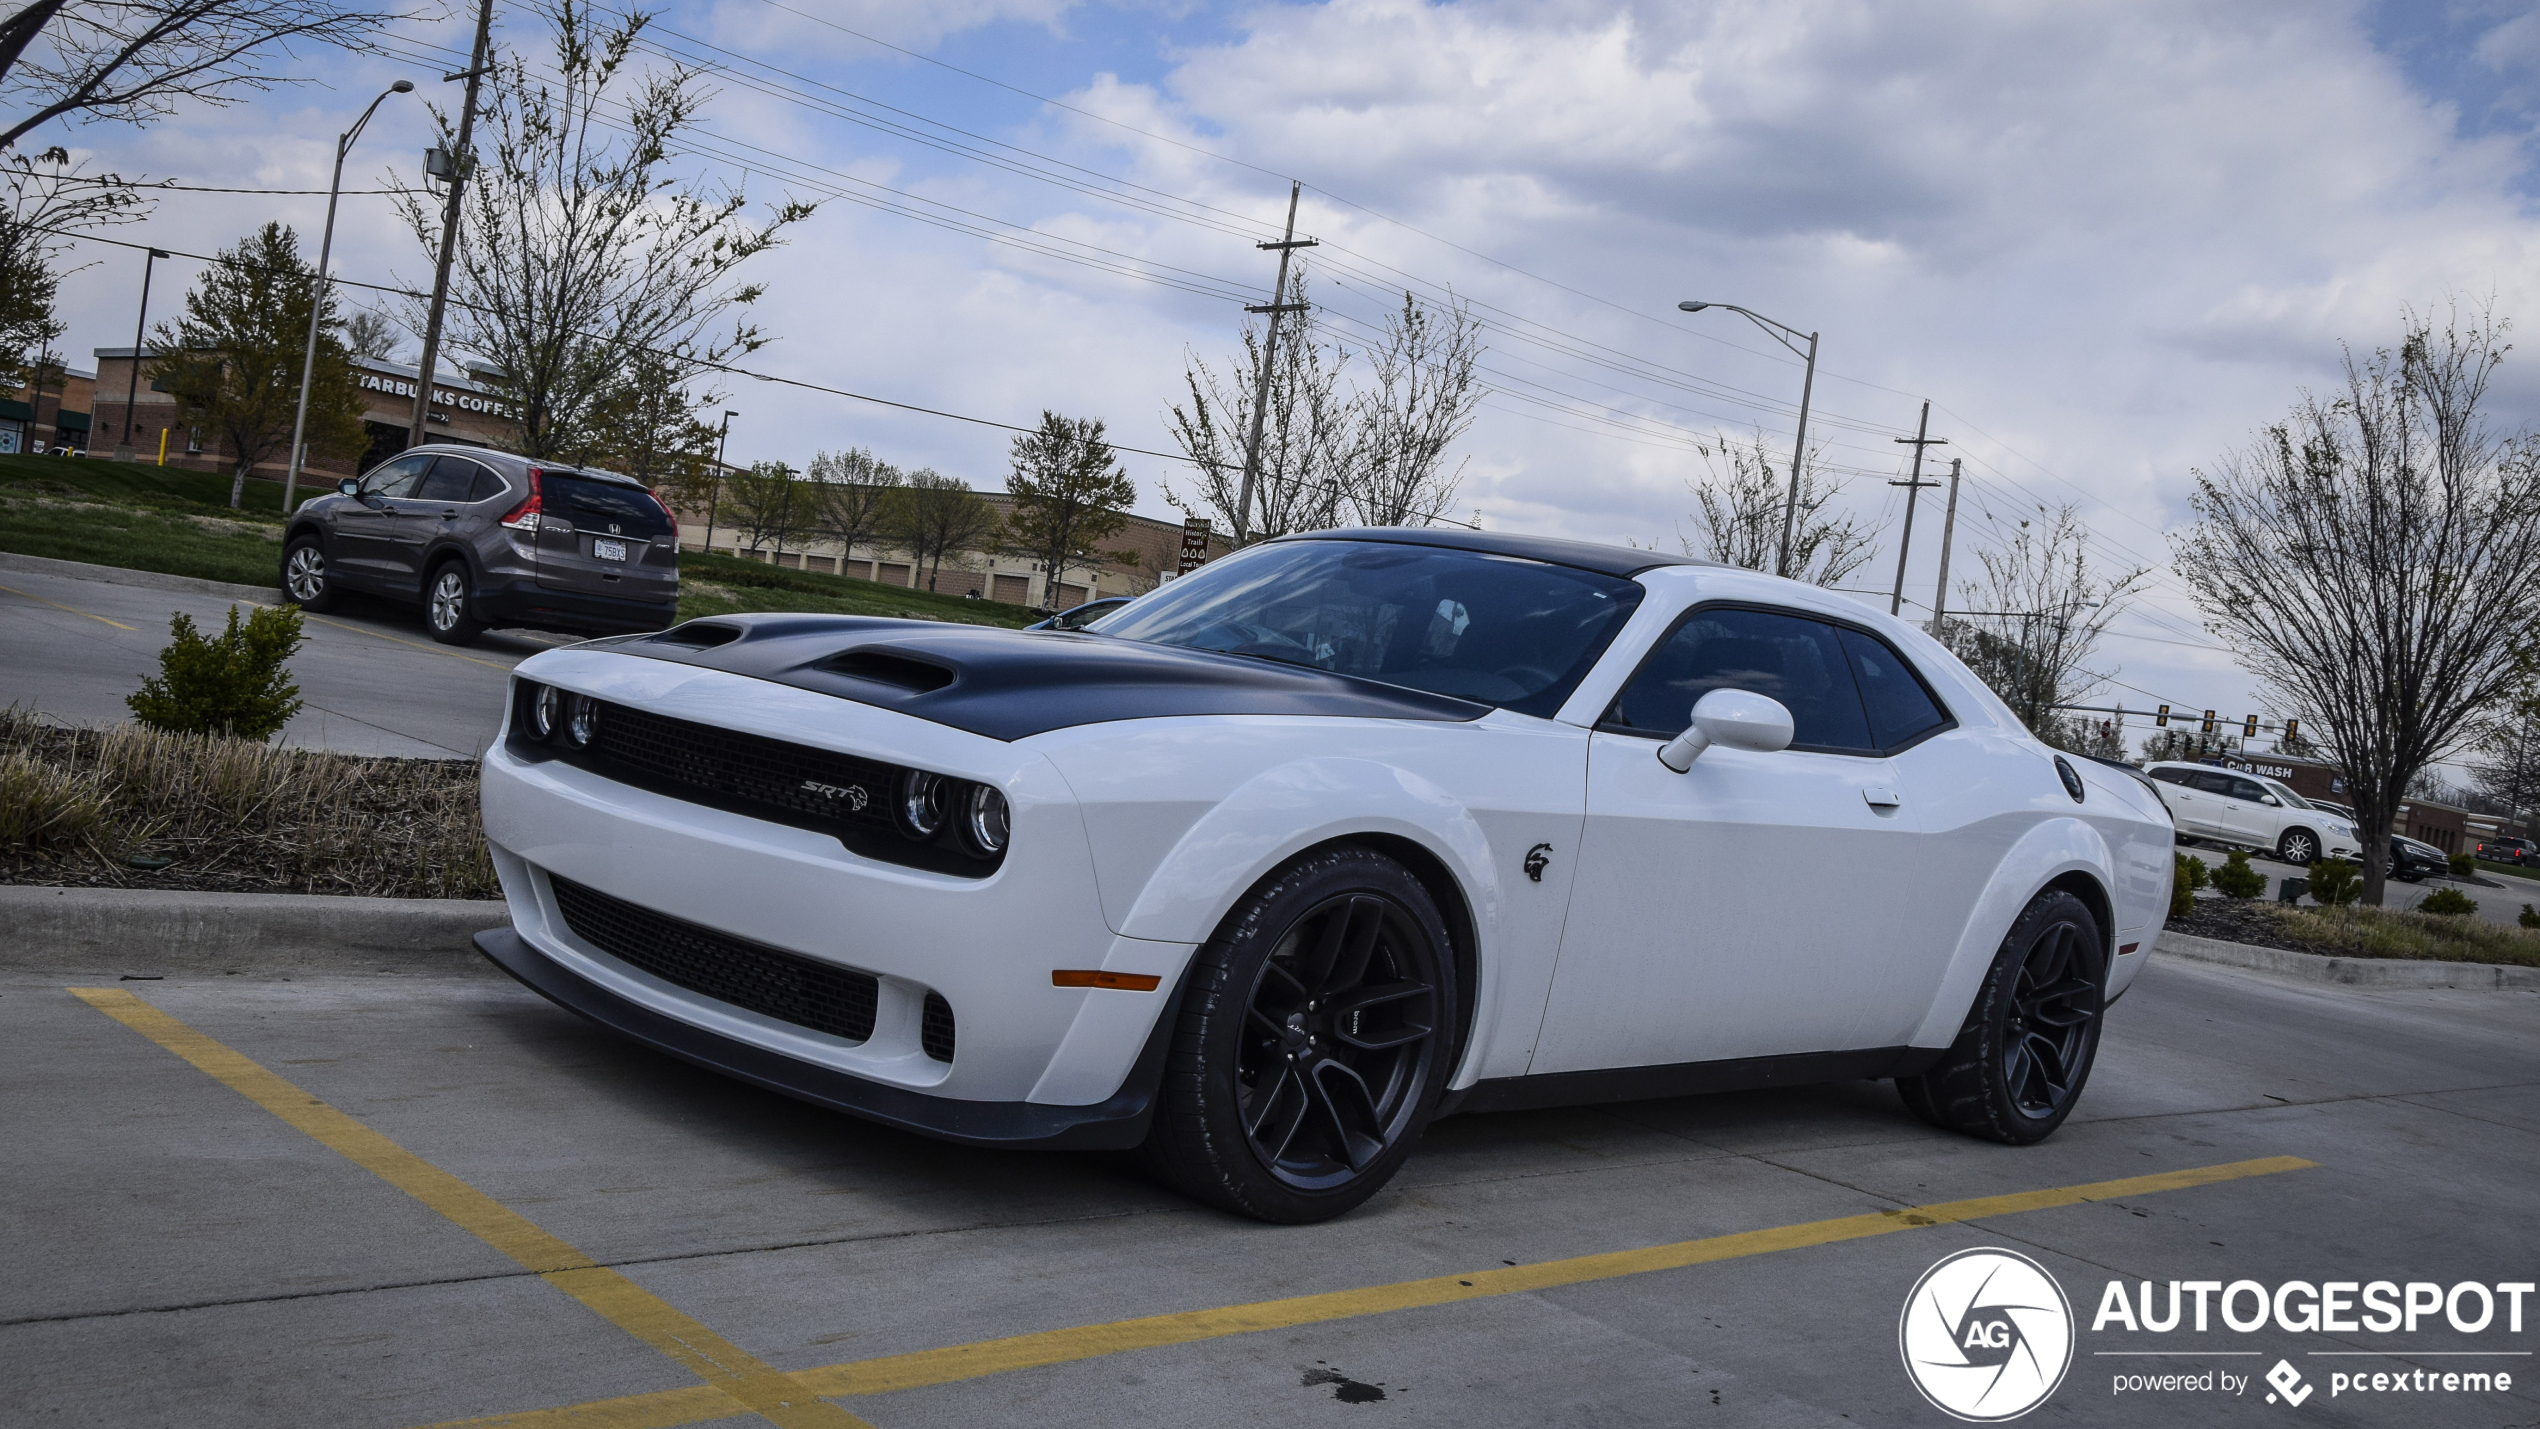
<point>375,681</point>
<point>182,1254</point>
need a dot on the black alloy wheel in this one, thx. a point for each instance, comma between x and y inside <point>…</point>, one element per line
<point>2019,1064</point>
<point>2298,847</point>
<point>304,576</point>
<point>1313,1042</point>
<point>445,606</point>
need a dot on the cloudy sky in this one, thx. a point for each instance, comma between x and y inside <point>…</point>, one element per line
<point>2105,241</point>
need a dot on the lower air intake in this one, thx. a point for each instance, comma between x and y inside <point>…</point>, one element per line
<point>935,1034</point>
<point>751,976</point>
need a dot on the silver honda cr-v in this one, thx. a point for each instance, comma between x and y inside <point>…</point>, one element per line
<point>482,538</point>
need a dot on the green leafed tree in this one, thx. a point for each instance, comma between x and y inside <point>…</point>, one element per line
<point>855,498</point>
<point>232,360</point>
<point>1070,495</point>
<point>763,506</point>
<point>645,424</point>
<point>936,515</point>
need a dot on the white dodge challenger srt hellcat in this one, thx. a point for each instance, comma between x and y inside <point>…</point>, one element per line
<point>1266,870</point>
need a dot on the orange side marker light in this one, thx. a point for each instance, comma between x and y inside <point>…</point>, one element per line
<point>1126,982</point>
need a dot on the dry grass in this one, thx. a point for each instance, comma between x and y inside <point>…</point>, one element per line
<point>99,807</point>
<point>2359,932</point>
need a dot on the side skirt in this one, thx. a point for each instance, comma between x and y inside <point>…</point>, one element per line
<point>1686,1079</point>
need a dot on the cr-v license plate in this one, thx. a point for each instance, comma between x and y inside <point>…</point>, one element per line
<point>609,550</point>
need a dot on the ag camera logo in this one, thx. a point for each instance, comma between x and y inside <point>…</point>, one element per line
<point>1986,1335</point>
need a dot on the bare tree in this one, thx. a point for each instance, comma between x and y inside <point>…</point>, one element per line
<point>934,516</point>
<point>1312,438</point>
<point>1742,509</point>
<point>2034,617</point>
<point>44,202</point>
<point>373,334</point>
<point>136,60</point>
<point>578,249</point>
<point>761,505</point>
<point>854,497</point>
<point>2184,744</point>
<point>2505,763</point>
<point>2375,560</point>
<point>1422,399</point>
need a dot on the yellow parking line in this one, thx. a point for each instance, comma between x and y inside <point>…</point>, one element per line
<point>57,605</point>
<point>736,1382</point>
<point>401,640</point>
<point>986,1357</point>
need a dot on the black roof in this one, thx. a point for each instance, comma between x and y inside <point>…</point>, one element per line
<point>1585,555</point>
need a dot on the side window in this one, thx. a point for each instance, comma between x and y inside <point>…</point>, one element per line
<point>1797,661</point>
<point>2170,776</point>
<point>1900,709</point>
<point>450,479</point>
<point>486,487</point>
<point>2213,783</point>
<point>396,479</point>
<point>2247,789</point>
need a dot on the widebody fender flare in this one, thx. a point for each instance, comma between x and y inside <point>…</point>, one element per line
<point>2047,852</point>
<point>1290,808</point>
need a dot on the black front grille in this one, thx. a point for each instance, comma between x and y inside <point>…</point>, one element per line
<point>935,1033</point>
<point>760,979</point>
<point>817,788</point>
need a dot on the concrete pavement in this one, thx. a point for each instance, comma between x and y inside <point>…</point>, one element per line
<point>180,1254</point>
<point>375,681</point>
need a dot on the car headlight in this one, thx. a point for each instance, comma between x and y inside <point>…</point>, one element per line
<point>921,808</point>
<point>581,721</point>
<point>545,707</point>
<point>990,821</point>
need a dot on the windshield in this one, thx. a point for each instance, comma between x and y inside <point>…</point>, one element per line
<point>2291,799</point>
<point>1497,630</point>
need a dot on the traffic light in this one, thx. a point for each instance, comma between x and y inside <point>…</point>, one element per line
<point>2209,721</point>
<point>2163,718</point>
<point>2292,730</point>
<point>2250,729</point>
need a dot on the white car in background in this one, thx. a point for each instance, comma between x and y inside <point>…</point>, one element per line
<point>2231,806</point>
<point>1338,834</point>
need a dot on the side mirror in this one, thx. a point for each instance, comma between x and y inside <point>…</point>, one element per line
<point>2271,801</point>
<point>1740,719</point>
<point>348,487</point>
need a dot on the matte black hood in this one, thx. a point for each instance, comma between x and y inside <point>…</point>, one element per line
<point>1011,684</point>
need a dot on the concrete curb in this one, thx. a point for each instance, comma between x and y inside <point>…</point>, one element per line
<point>2353,972</point>
<point>112,931</point>
<point>146,580</point>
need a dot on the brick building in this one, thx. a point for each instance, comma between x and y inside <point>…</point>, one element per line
<point>51,419</point>
<point>463,411</point>
<point>992,575</point>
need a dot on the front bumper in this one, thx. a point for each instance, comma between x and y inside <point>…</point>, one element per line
<point>1116,1124</point>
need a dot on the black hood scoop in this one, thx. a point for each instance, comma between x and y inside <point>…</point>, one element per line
<point>1012,684</point>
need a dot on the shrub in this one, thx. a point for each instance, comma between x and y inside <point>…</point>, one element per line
<point>2236,879</point>
<point>237,683</point>
<point>2464,865</point>
<point>2529,919</point>
<point>2447,903</point>
<point>2334,881</point>
<point>2183,885</point>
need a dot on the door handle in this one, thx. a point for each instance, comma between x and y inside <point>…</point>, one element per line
<point>1881,797</point>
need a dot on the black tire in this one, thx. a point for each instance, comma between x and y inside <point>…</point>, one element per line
<point>305,582</point>
<point>2298,847</point>
<point>1333,986</point>
<point>448,596</point>
<point>2025,1053</point>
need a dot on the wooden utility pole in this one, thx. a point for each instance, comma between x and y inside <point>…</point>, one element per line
<point>1913,487</point>
<point>460,157</point>
<point>1948,529</point>
<point>1269,351</point>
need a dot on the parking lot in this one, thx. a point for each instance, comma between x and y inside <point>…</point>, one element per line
<point>239,1199</point>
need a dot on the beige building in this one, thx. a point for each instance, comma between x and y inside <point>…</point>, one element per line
<point>462,411</point>
<point>53,418</point>
<point>991,575</point>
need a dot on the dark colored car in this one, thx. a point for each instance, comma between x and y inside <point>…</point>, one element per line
<point>2413,862</point>
<point>1077,617</point>
<point>481,538</point>
<point>2504,850</point>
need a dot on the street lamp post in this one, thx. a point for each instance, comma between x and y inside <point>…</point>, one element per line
<point>317,295</point>
<point>1807,389</point>
<point>124,450</point>
<point>714,498</point>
